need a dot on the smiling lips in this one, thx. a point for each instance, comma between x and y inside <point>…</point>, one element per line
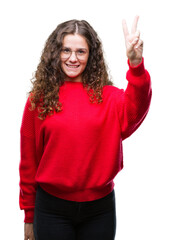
<point>72,66</point>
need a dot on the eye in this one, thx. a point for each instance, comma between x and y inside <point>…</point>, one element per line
<point>81,51</point>
<point>66,50</point>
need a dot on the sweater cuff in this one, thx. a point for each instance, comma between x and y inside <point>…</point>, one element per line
<point>138,76</point>
<point>29,216</point>
<point>138,70</point>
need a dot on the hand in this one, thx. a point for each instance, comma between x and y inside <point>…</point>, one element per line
<point>28,231</point>
<point>134,45</point>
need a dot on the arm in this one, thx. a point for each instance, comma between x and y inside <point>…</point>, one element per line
<point>28,165</point>
<point>135,101</point>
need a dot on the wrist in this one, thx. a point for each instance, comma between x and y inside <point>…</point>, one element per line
<point>135,63</point>
<point>137,70</point>
<point>29,216</point>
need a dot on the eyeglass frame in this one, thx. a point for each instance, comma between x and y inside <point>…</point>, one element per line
<point>76,53</point>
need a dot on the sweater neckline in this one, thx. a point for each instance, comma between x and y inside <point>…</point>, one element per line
<point>72,82</point>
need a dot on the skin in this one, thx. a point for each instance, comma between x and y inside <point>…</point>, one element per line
<point>28,231</point>
<point>133,43</point>
<point>134,50</point>
<point>74,42</point>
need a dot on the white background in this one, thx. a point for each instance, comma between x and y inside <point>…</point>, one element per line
<point>143,188</point>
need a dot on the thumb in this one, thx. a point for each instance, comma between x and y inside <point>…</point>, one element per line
<point>132,44</point>
<point>135,40</point>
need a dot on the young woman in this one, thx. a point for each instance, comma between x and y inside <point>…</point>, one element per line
<point>72,130</point>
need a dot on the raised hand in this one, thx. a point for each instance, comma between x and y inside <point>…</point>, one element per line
<point>134,45</point>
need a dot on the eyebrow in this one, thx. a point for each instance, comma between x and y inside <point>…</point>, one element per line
<point>76,48</point>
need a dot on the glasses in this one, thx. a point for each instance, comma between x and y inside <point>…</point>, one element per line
<point>80,53</point>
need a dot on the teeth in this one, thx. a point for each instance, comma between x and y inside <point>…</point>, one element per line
<point>72,66</point>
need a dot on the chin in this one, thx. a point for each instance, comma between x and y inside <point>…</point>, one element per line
<point>72,74</point>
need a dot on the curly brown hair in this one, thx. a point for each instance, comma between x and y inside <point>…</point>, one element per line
<point>49,75</point>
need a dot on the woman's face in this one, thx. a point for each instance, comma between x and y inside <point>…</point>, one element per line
<point>74,57</point>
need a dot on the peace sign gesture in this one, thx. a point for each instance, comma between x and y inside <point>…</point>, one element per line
<point>134,45</point>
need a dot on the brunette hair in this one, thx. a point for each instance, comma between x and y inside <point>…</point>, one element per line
<point>49,75</point>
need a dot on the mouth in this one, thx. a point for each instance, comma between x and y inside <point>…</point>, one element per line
<point>71,65</point>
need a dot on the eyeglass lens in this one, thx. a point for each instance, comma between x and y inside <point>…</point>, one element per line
<point>80,53</point>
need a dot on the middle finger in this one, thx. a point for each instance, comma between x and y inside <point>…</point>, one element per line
<point>134,25</point>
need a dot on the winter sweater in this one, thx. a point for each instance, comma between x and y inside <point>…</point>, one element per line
<point>75,154</point>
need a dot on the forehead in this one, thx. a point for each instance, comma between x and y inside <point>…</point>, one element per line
<point>75,41</point>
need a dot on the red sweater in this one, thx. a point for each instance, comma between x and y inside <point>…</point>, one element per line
<point>76,153</point>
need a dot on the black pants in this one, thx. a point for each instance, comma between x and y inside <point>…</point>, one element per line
<point>58,219</point>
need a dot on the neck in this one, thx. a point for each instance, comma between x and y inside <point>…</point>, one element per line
<point>74,79</point>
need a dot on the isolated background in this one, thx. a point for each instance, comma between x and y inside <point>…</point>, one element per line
<point>143,192</point>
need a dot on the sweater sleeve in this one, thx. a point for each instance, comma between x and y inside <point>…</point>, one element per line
<point>28,166</point>
<point>134,102</point>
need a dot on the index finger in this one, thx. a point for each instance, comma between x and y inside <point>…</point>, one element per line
<point>134,25</point>
<point>125,28</point>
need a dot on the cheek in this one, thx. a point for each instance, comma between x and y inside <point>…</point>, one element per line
<point>85,64</point>
<point>63,66</point>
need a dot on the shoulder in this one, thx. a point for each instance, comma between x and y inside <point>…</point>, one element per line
<point>113,91</point>
<point>29,112</point>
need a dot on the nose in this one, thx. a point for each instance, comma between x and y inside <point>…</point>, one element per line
<point>73,57</point>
